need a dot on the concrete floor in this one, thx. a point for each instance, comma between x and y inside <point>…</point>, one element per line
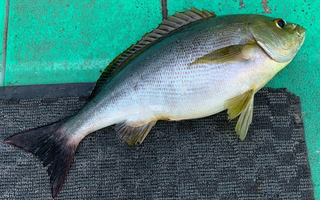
<point>67,41</point>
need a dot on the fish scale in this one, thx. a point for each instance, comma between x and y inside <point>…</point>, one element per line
<point>193,65</point>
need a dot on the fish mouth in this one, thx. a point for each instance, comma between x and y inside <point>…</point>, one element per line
<point>300,31</point>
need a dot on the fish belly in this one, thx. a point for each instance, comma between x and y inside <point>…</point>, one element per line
<point>187,92</point>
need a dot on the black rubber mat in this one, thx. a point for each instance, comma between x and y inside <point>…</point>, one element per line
<point>193,159</point>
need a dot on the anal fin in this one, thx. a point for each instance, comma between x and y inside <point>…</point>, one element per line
<point>131,134</point>
<point>241,105</point>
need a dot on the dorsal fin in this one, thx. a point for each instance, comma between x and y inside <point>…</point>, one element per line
<point>173,23</point>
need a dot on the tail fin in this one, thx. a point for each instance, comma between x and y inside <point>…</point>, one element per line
<point>53,146</point>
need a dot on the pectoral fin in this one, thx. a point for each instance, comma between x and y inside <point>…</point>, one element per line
<point>241,105</point>
<point>131,134</point>
<point>234,53</point>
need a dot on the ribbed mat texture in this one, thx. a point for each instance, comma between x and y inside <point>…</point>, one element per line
<point>192,159</point>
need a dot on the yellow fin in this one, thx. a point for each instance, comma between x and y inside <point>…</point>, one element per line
<point>242,104</point>
<point>132,135</point>
<point>245,120</point>
<point>234,53</point>
<point>237,104</point>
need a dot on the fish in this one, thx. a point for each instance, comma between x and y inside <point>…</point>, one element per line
<point>195,64</point>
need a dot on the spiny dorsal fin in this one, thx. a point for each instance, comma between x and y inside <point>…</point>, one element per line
<point>173,23</point>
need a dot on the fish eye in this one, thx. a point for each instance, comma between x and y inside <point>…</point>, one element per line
<point>280,23</point>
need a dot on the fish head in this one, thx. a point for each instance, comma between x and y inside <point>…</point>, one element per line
<point>281,40</point>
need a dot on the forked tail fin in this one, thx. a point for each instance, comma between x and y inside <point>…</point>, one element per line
<point>53,146</point>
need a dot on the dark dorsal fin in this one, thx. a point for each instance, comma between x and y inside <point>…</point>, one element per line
<point>173,23</point>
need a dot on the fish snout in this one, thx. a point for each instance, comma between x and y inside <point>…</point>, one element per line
<point>299,30</point>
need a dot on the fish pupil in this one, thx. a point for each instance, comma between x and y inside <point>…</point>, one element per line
<point>281,23</point>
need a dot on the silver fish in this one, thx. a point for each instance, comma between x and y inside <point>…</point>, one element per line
<point>193,65</point>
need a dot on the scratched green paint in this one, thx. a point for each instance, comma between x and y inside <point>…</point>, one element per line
<point>2,22</point>
<point>71,41</point>
<point>302,75</point>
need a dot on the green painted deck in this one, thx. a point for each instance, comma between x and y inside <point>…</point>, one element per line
<point>2,39</point>
<point>71,41</point>
<point>67,41</point>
